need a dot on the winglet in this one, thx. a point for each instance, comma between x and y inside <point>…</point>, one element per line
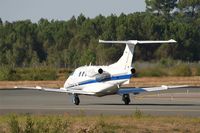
<point>165,87</point>
<point>172,41</point>
<point>39,87</point>
<point>101,41</point>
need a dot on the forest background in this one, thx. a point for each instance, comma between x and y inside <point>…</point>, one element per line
<point>50,48</point>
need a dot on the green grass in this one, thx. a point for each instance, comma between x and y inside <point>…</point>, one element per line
<point>38,73</point>
<point>138,122</point>
<point>197,71</point>
<point>167,68</point>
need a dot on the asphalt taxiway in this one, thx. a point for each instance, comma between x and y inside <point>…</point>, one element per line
<point>181,102</point>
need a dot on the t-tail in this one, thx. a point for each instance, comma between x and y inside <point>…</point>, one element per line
<point>125,62</point>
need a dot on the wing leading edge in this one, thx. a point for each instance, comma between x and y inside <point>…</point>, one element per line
<point>61,90</point>
<point>148,89</point>
<point>120,91</point>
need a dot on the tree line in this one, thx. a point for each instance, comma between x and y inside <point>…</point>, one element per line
<point>74,42</point>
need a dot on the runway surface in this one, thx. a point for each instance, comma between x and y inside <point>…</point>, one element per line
<point>181,102</point>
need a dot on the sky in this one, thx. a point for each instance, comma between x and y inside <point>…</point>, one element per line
<point>13,10</point>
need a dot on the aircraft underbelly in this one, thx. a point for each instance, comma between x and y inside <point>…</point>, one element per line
<point>104,88</point>
<point>100,88</point>
<point>108,91</point>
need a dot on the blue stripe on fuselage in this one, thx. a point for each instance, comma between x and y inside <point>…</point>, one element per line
<point>128,76</point>
<point>121,77</point>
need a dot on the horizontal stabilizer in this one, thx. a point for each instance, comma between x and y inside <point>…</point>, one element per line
<point>138,42</point>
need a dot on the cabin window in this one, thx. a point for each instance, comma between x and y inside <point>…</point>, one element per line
<point>83,74</point>
<point>79,74</point>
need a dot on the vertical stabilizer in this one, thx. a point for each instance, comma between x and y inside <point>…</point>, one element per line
<point>125,62</point>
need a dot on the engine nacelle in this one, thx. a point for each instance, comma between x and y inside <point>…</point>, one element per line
<point>94,71</point>
<point>133,71</point>
<point>103,77</point>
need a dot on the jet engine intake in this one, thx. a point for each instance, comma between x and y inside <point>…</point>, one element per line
<point>133,71</point>
<point>100,71</point>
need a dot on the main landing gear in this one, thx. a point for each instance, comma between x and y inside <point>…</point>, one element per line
<point>76,99</point>
<point>126,99</point>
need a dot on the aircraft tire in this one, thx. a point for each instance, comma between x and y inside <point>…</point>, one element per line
<point>76,100</point>
<point>126,99</point>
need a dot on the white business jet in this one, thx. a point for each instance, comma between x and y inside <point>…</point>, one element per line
<point>107,80</point>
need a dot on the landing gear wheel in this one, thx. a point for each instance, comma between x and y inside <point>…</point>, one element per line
<point>126,99</point>
<point>76,100</point>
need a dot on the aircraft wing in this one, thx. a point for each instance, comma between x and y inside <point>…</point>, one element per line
<point>41,88</point>
<point>68,91</point>
<point>61,90</point>
<point>148,89</point>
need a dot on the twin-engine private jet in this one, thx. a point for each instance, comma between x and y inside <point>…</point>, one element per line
<point>107,80</point>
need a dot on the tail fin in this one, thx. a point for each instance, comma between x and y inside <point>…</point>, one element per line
<point>125,61</point>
